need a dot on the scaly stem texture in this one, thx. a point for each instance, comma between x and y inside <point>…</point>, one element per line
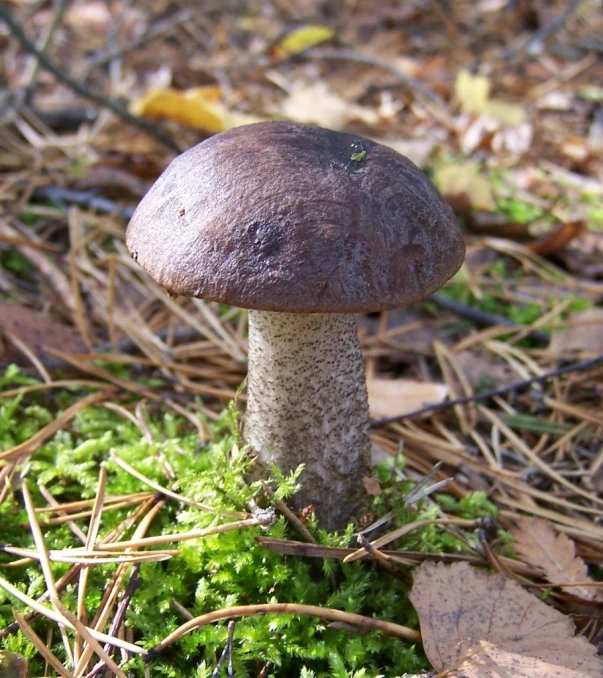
<point>307,403</point>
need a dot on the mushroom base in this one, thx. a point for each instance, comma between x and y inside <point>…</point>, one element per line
<point>307,404</point>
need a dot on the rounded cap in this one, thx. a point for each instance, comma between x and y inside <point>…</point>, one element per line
<point>285,217</point>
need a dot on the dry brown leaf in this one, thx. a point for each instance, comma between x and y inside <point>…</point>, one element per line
<point>584,337</point>
<point>372,486</point>
<point>475,624</point>
<point>553,552</point>
<point>390,397</point>
<point>558,238</point>
<point>13,665</point>
<point>36,330</point>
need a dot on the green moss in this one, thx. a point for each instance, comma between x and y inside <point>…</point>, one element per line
<point>519,211</point>
<point>211,573</point>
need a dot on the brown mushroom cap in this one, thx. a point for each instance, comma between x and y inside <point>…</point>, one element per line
<point>286,217</point>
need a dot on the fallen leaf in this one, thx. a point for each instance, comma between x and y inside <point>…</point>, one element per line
<point>466,180</point>
<point>483,369</point>
<point>554,553</point>
<point>198,108</point>
<point>319,106</point>
<point>390,397</point>
<point>474,624</point>
<point>303,38</point>
<point>473,93</point>
<point>584,336</point>
<point>559,237</point>
<point>372,486</point>
<point>584,255</point>
<point>13,665</point>
<point>35,330</point>
<point>116,183</point>
<point>417,150</point>
<point>504,112</point>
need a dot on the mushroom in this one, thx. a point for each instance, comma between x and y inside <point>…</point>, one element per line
<point>304,227</point>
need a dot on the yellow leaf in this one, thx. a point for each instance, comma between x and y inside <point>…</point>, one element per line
<point>170,104</point>
<point>303,38</point>
<point>507,114</point>
<point>472,91</point>
<point>465,179</point>
<point>198,108</point>
<point>209,93</point>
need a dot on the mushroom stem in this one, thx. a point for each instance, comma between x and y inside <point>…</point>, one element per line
<point>307,404</point>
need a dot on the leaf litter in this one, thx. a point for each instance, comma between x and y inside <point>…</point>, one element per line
<point>477,624</point>
<point>555,554</point>
<point>513,139</point>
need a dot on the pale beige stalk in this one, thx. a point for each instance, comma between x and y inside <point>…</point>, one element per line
<point>307,404</point>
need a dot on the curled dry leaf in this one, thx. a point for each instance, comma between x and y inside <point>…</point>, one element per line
<point>477,625</point>
<point>198,108</point>
<point>558,238</point>
<point>554,553</point>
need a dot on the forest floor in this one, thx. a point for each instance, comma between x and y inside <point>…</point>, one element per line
<point>123,509</point>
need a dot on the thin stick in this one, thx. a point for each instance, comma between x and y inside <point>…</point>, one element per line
<point>40,646</point>
<point>326,613</point>
<point>168,493</point>
<point>546,31</point>
<point>120,615</point>
<point>406,529</point>
<point>93,529</point>
<point>55,506</point>
<point>81,89</point>
<point>179,536</point>
<point>28,446</point>
<point>227,652</point>
<point>486,395</point>
<point>112,591</point>
<point>45,563</point>
<point>484,318</point>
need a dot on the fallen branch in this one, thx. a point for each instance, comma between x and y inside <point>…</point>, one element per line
<point>484,318</point>
<point>286,608</point>
<point>81,89</point>
<point>486,395</point>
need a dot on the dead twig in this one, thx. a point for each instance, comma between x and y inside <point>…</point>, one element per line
<point>100,669</point>
<point>81,89</point>
<point>535,44</point>
<point>484,318</point>
<point>286,608</point>
<point>486,395</point>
